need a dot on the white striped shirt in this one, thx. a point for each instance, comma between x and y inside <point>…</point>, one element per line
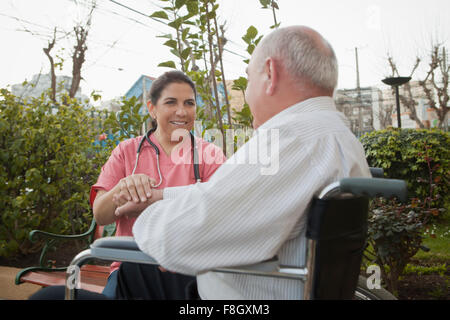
<point>241,216</point>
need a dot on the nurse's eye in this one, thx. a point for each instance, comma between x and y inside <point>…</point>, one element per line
<point>190,103</point>
<point>171,102</point>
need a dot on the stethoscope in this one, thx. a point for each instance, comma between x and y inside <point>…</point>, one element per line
<point>147,138</point>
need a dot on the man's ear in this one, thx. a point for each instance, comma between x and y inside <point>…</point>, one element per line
<point>271,71</point>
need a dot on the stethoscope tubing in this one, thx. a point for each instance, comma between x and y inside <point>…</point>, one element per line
<point>147,138</point>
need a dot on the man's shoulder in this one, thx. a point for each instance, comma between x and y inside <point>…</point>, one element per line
<point>316,123</point>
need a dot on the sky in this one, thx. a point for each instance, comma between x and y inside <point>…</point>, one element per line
<point>123,44</point>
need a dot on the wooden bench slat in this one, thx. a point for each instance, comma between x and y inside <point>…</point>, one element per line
<point>93,278</point>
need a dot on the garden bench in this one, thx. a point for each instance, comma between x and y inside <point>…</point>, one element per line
<point>93,277</point>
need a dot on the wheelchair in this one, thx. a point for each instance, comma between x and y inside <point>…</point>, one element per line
<point>336,233</point>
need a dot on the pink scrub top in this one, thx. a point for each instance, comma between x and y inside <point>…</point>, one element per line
<point>176,170</point>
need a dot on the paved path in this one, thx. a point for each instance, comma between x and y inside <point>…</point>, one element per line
<point>9,290</point>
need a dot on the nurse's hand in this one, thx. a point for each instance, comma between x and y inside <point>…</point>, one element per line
<point>132,209</point>
<point>136,188</point>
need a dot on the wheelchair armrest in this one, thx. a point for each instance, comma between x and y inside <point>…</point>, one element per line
<point>374,187</point>
<point>126,249</point>
<point>119,249</point>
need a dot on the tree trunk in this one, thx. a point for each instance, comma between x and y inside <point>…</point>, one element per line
<point>213,69</point>
<point>52,67</point>
<point>78,59</point>
<point>220,45</point>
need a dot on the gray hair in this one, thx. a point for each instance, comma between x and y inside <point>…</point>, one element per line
<point>304,55</point>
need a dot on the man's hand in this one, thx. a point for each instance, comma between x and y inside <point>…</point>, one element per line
<point>132,209</point>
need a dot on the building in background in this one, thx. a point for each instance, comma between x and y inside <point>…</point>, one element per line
<point>140,89</point>
<point>373,108</point>
<point>359,105</point>
<point>40,83</point>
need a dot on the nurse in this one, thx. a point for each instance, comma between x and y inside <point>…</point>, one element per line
<point>172,106</point>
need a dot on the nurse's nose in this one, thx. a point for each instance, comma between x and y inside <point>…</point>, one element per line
<point>181,112</point>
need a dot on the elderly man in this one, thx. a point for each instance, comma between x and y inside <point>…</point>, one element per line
<point>245,215</point>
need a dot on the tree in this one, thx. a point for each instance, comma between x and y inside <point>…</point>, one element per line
<point>271,5</point>
<point>437,77</point>
<point>434,86</point>
<point>384,116</point>
<point>79,54</point>
<point>198,42</point>
<point>81,31</point>
<point>196,38</point>
<point>47,50</point>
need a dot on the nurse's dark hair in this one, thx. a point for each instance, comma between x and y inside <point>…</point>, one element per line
<point>163,81</point>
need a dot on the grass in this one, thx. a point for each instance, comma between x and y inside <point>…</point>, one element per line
<point>437,239</point>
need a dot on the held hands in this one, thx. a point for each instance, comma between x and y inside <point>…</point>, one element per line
<point>134,194</point>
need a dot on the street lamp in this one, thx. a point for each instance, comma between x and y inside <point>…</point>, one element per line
<point>397,82</point>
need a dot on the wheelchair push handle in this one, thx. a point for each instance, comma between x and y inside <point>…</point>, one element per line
<point>375,187</point>
<point>376,172</point>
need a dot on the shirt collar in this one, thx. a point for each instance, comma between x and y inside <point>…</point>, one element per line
<point>310,105</point>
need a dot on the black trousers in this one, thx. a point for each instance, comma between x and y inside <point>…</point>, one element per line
<point>147,282</point>
<point>136,282</point>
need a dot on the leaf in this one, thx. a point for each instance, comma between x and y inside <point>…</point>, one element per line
<point>251,33</point>
<point>185,33</point>
<point>168,64</point>
<point>175,52</point>
<point>240,84</point>
<point>160,15</point>
<point>192,7</point>
<point>264,3</point>
<point>211,15</point>
<point>179,3</point>
<point>185,53</point>
<point>176,23</point>
<point>251,48</point>
<point>171,43</point>
<point>168,36</point>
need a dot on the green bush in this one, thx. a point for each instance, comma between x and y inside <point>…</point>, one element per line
<point>395,234</point>
<point>47,164</point>
<point>420,157</point>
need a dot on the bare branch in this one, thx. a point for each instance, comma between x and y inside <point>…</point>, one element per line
<point>393,66</point>
<point>434,85</point>
<point>415,67</point>
<point>52,66</point>
<point>80,48</point>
